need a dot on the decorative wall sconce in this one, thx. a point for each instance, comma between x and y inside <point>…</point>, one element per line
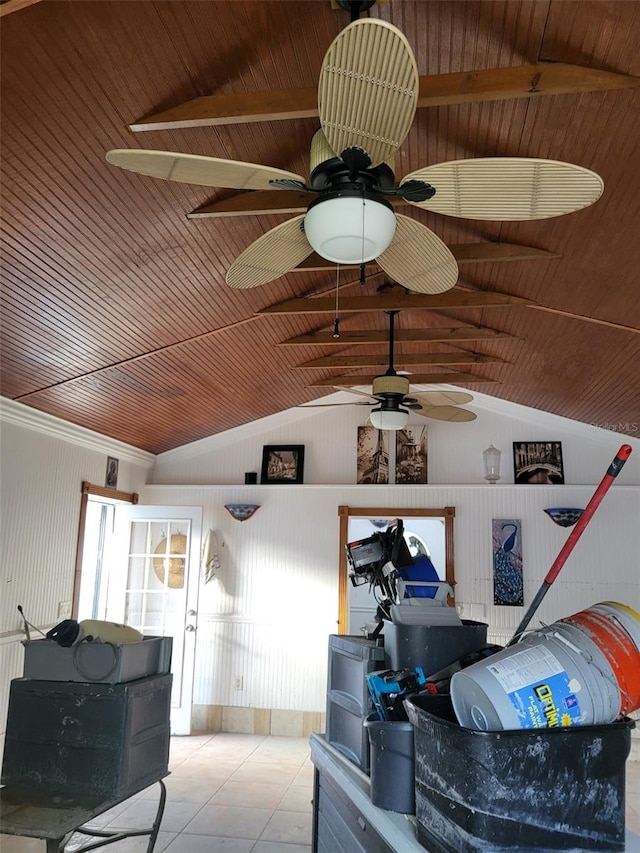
<point>491,457</point>
<point>564,516</point>
<point>241,512</point>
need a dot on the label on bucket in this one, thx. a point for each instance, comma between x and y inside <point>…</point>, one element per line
<point>538,687</point>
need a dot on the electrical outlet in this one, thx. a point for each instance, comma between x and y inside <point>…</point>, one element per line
<point>237,682</point>
<point>64,610</point>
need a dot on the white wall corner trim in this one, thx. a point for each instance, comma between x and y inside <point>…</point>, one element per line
<point>30,418</point>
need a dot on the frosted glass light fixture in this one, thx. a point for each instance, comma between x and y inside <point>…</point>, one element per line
<point>491,458</point>
<point>350,229</point>
<point>394,419</point>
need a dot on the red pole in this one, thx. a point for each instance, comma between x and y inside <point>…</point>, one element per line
<point>614,469</point>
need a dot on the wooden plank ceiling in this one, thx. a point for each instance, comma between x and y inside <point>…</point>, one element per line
<point>116,314</point>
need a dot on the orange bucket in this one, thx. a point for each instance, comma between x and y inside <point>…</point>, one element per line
<point>609,626</point>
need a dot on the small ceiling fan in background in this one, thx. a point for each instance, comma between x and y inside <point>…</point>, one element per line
<point>367,97</point>
<point>391,403</point>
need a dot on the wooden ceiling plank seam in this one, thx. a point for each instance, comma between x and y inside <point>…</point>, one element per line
<point>120,321</point>
<point>139,357</point>
<point>73,218</point>
<point>128,294</point>
<point>63,304</point>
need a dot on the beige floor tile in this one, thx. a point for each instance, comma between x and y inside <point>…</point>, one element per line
<point>229,822</point>
<point>234,739</point>
<point>142,813</point>
<point>190,741</point>
<point>255,795</point>
<point>271,774</point>
<point>297,799</point>
<point>19,844</point>
<point>288,828</point>
<point>208,769</point>
<point>208,844</point>
<point>131,845</point>
<point>279,847</point>
<point>186,789</point>
<point>304,776</point>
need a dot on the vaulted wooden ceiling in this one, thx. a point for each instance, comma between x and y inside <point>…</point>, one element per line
<point>115,310</point>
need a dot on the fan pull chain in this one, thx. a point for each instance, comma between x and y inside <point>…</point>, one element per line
<point>336,322</point>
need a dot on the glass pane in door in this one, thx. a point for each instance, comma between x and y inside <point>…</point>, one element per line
<point>155,595</point>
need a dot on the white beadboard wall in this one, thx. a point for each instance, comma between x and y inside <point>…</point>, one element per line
<point>454,456</point>
<point>267,616</point>
<point>43,462</point>
<point>290,547</point>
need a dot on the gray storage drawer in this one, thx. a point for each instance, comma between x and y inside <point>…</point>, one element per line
<point>340,826</point>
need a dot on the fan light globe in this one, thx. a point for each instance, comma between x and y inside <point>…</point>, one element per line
<point>389,418</point>
<point>334,228</point>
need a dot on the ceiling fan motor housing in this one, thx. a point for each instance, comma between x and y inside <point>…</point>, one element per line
<point>387,384</point>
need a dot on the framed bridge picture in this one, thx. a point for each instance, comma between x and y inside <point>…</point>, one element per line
<point>538,462</point>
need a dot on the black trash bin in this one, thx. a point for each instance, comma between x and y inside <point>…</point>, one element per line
<point>392,767</point>
<point>524,789</point>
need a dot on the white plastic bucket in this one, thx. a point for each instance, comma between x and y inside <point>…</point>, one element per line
<point>583,670</point>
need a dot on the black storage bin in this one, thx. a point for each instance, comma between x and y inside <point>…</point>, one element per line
<point>348,701</point>
<point>431,647</point>
<point>527,789</point>
<point>109,740</point>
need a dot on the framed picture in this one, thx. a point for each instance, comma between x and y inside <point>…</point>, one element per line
<point>372,456</point>
<point>538,462</point>
<point>111,477</point>
<point>411,455</point>
<point>508,583</point>
<point>282,463</point>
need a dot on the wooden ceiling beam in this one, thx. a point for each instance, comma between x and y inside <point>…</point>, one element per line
<point>401,359</point>
<point>465,87</point>
<point>9,6</point>
<point>454,334</point>
<point>396,302</point>
<point>464,253</point>
<point>415,379</point>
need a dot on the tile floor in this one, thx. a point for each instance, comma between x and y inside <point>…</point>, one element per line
<point>237,793</point>
<point>227,793</point>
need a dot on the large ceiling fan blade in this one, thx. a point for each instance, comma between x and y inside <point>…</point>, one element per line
<point>442,398</point>
<point>418,259</point>
<point>196,169</point>
<point>451,414</point>
<point>354,391</point>
<point>508,188</point>
<point>270,256</point>
<point>368,89</point>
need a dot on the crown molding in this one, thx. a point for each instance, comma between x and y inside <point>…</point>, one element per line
<point>27,417</point>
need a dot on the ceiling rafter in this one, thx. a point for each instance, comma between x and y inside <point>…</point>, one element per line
<point>462,357</point>
<point>491,84</point>
<point>399,301</point>
<point>450,334</point>
<point>415,379</point>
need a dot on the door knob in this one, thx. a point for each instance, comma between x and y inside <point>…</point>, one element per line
<point>190,628</point>
<point>191,612</point>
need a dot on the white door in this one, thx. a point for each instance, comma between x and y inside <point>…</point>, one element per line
<point>157,592</point>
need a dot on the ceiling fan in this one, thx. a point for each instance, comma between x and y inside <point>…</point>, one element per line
<point>367,96</point>
<point>392,404</point>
